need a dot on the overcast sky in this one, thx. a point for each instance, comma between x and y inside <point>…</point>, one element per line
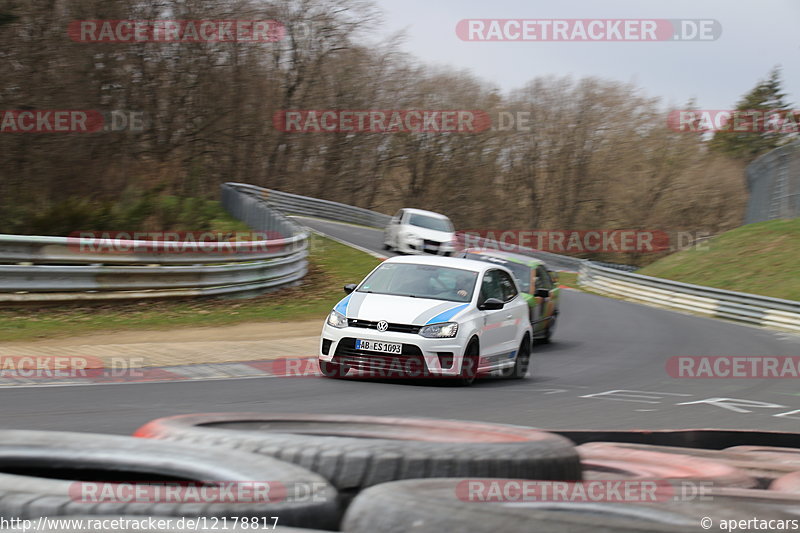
<point>756,35</point>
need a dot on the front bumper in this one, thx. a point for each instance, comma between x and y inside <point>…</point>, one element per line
<point>420,357</point>
<point>427,247</point>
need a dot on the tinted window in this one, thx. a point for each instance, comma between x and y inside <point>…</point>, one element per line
<point>423,221</point>
<point>509,290</point>
<point>543,279</point>
<point>490,287</point>
<point>521,272</point>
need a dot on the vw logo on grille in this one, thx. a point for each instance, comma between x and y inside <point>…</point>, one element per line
<point>382,325</point>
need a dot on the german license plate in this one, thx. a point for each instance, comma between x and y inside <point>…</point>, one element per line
<point>376,346</point>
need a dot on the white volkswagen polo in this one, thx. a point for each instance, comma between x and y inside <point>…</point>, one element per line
<point>415,231</point>
<point>429,317</point>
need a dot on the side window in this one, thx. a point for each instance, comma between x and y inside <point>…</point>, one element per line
<point>507,286</point>
<point>490,286</point>
<point>543,279</point>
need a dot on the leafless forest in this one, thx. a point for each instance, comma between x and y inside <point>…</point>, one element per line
<point>598,153</point>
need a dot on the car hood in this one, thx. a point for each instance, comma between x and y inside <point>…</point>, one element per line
<point>430,234</point>
<point>398,309</point>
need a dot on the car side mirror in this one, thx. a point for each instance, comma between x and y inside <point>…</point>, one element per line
<point>350,287</point>
<point>542,293</point>
<point>491,304</point>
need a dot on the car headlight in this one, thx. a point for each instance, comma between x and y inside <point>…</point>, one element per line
<point>337,320</point>
<point>410,237</point>
<point>444,330</point>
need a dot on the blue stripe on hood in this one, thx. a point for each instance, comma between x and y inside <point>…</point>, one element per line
<point>341,307</point>
<point>447,315</point>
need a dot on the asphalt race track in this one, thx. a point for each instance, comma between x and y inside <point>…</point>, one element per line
<point>604,370</point>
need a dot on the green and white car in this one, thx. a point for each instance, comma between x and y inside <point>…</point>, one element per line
<point>537,284</point>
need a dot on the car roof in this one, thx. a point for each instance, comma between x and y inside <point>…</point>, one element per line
<point>510,256</point>
<point>452,262</point>
<point>424,212</point>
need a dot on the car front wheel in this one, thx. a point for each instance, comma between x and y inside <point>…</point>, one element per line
<point>332,370</point>
<point>469,365</point>
<point>523,359</point>
<point>551,328</point>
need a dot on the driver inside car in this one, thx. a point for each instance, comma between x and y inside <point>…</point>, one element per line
<point>463,285</point>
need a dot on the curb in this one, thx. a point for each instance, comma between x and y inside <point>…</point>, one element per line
<point>263,368</point>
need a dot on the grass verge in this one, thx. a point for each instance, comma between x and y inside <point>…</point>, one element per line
<point>570,279</point>
<point>331,265</point>
<point>761,258</point>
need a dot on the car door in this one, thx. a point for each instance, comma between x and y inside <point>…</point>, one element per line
<point>543,306</point>
<point>493,329</point>
<point>516,314</point>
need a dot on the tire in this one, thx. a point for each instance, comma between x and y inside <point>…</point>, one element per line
<point>772,454</point>
<point>788,483</point>
<point>469,365</point>
<point>333,370</point>
<point>435,505</point>
<point>354,452</point>
<point>42,472</point>
<point>550,330</point>
<point>787,501</point>
<point>521,362</point>
<point>762,463</point>
<point>148,524</point>
<point>604,460</point>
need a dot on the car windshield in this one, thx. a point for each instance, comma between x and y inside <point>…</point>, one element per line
<point>424,221</point>
<point>421,281</point>
<point>521,272</point>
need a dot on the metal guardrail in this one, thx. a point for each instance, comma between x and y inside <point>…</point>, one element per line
<point>295,204</point>
<point>719,303</point>
<point>43,268</point>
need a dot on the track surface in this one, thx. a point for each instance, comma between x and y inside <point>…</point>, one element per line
<point>602,345</point>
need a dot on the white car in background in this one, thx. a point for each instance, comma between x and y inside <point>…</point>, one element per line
<point>429,317</point>
<point>416,231</point>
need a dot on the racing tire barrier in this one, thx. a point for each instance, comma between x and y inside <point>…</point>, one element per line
<point>354,452</point>
<point>435,505</point>
<point>788,483</point>
<point>42,473</point>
